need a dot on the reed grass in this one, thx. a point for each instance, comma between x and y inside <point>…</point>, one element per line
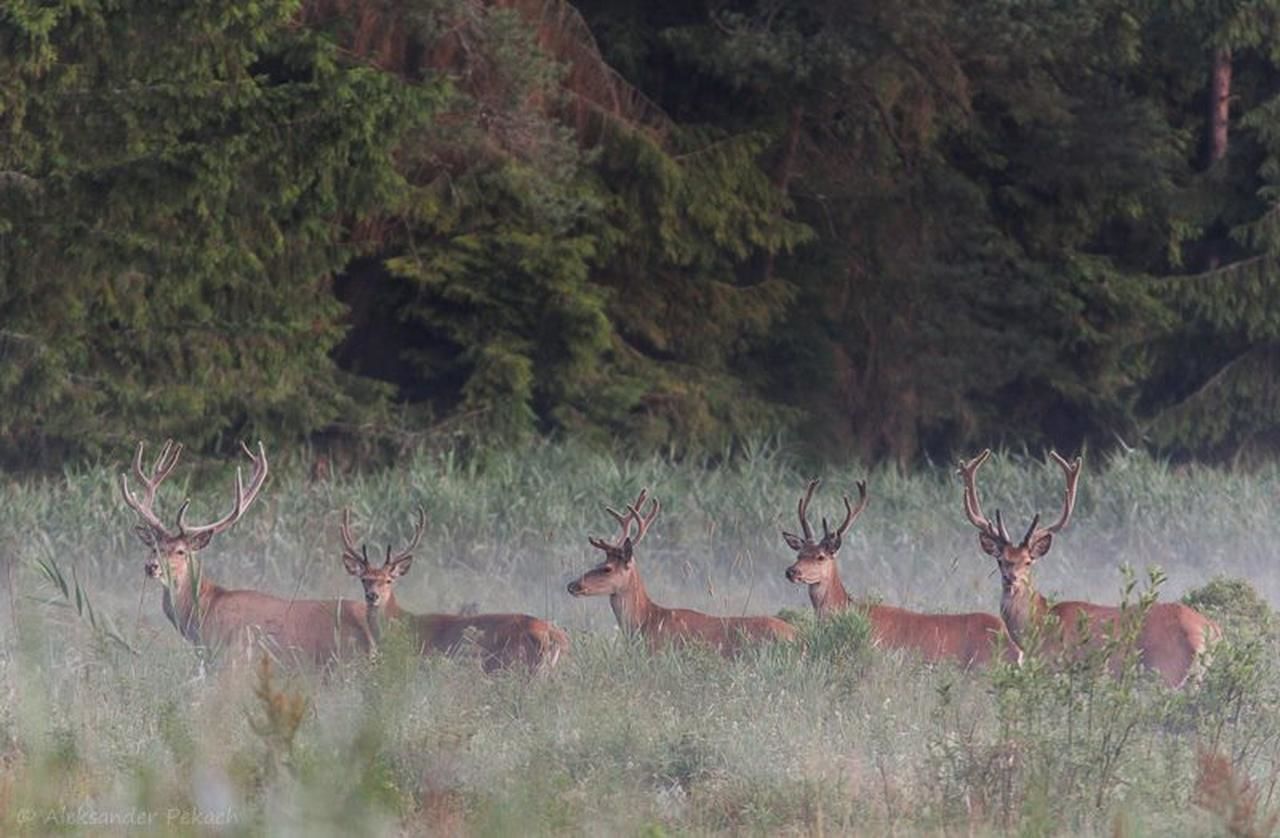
<point>107,717</point>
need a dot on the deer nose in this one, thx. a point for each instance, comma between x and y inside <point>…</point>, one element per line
<point>791,574</point>
<point>151,568</point>
<point>371,598</point>
<point>575,587</point>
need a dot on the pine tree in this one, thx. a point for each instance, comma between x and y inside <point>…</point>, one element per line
<point>1220,375</point>
<point>572,261</point>
<point>178,184</point>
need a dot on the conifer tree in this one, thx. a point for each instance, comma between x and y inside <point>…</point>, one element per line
<point>177,183</point>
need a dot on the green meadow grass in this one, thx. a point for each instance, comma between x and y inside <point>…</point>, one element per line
<point>109,720</point>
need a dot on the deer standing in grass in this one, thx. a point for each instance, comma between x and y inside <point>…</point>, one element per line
<point>501,640</point>
<point>619,578</point>
<point>967,639</point>
<point>225,620</point>
<point>1170,641</point>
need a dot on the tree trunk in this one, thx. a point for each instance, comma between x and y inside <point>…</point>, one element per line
<point>1219,106</point>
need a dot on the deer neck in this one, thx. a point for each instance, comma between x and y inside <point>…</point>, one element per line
<point>632,606</point>
<point>187,602</point>
<point>384,614</point>
<point>829,595</point>
<point>1020,605</point>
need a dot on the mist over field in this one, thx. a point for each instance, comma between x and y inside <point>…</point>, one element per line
<point>843,737</point>
<point>510,538</point>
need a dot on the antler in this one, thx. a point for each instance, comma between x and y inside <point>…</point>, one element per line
<point>625,520</point>
<point>803,510</point>
<point>243,498</point>
<point>160,469</point>
<point>972,506</point>
<point>1071,470</point>
<point>413,542</point>
<point>851,514</point>
<point>643,522</point>
<point>349,549</point>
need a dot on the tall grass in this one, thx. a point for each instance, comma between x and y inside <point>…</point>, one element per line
<point>107,716</point>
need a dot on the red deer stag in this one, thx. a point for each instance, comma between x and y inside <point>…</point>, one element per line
<point>967,639</point>
<point>501,640</point>
<point>619,578</point>
<point>230,621</point>
<point>1170,640</point>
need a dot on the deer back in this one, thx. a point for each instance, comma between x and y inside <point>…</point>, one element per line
<point>968,639</point>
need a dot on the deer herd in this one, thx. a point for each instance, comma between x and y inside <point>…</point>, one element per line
<point>1170,639</point>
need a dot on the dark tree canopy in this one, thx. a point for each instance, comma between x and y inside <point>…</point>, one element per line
<point>889,231</point>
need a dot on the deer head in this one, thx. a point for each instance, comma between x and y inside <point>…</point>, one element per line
<point>617,570</point>
<point>1015,560</point>
<point>172,548</point>
<point>378,581</point>
<point>815,559</point>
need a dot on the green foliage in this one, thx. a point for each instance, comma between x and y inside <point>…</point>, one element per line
<point>893,232</point>
<point>1236,606</point>
<point>839,641</point>
<point>995,195</point>
<point>1069,728</point>
<point>73,596</point>
<point>179,184</point>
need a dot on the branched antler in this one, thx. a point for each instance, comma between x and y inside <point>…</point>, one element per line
<point>626,520</point>
<point>163,467</point>
<point>160,469</point>
<point>243,497</point>
<point>973,507</point>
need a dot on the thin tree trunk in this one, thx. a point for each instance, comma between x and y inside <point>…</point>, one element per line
<point>1214,245</point>
<point>1219,106</point>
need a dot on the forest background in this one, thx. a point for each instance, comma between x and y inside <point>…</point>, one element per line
<point>889,232</point>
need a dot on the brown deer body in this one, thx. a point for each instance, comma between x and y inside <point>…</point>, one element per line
<point>238,620</point>
<point>227,621</point>
<point>500,640</point>
<point>1170,641</point>
<point>618,578</point>
<point>966,639</point>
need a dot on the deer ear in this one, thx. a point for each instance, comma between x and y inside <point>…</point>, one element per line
<point>355,565</point>
<point>795,542</point>
<point>991,546</point>
<point>1041,544</point>
<point>199,541</point>
<point>147,535</point>
<point>401,566</point>
<point>627,554</point>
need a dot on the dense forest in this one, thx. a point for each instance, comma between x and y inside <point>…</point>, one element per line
<point>886,231</point>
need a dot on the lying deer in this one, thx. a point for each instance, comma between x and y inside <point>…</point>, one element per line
<point>967,639</point>
<point>1170,641</point>
<point>501,640</point>
<point>619,578</point>
<point>225,620</point>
